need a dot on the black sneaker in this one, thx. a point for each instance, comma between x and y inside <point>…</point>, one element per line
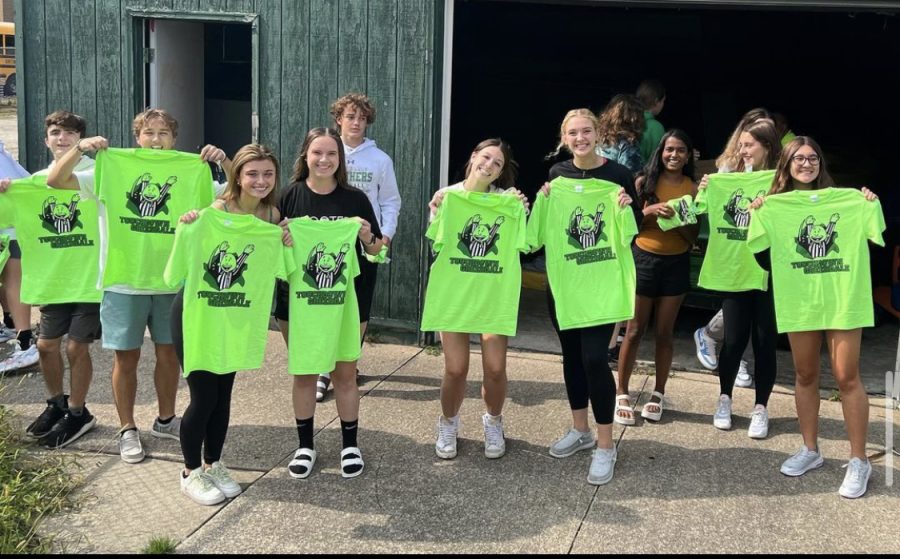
<point>69,428</point>
<point>48,418</point>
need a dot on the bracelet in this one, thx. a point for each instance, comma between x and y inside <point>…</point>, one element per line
<point>78,147</point>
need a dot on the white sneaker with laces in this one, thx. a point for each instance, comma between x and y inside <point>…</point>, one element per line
<point>494,443</point>
<point>130,448</point>
<point>20,359</point>
<point>856,480</point>
<point>445,447</point>
<point>199,486</point>
<point>722,418</point>
<point>759,423</point>
<point>706,349</point>
<point>743,379</point>
<point>221,478</point>
<point>802,461</point>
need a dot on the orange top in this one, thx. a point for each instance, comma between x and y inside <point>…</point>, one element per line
<point>653,239</point>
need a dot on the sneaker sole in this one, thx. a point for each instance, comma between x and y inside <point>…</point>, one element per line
<point>132,459</point>
<point>204,502</point>
<point>232,493</point>
<point>159,435</point>
<point>701,358</point>
<point>84,429</point>
<point>722,426</point>
<point>584,446</point>
<point>854,495</point>
<point>817,464</point>
<point>493,455</point>
<point>445,455</point>
<point>758,436</point>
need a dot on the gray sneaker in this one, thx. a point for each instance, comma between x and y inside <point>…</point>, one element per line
<point>572,442</point>
<point>603,464</point>
<point>802,461</point>
<point>171,430</point>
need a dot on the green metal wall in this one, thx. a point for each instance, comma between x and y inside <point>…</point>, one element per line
<point>79,55</point>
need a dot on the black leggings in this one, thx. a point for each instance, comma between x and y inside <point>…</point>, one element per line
<point>204,424</point>
<point>586,367</point>
<point>749,315</point>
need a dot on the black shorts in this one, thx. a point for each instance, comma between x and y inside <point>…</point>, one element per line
<point>660,275</point>
<point>364,286</point>
<point>81,321</point>
<point>15,251</point>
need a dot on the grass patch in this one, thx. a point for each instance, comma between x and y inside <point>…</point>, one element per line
<point>33,486</point>
<point>160,545</point>
<point>433,350</point>
<point>835,396</point>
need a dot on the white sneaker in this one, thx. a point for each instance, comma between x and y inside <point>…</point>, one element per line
<point>722,418</point>
<point>603,464</point>
<point>222,479</point>
<point>200,488</point>
<point>445,447</point>
<point>706,349</point>
<point>743,379</point>
<point>759,423</point>
<point>802,461</point>
<point>20,359</point>
<point>494,443</point>
<point>6,334</point>
<point>130,448</point>
<point>856,479</point>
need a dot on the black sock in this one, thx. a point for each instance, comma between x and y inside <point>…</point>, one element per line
<point>8,321</point>
<point>348,432</point>
<point>24,337</point>
<point>162,421</point>
<point>305,432</point>
<point>60,401</point>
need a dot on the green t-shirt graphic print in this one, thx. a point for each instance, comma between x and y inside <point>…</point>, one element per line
<point>685,213</point>
<point>324,314</point>
<point>475,281</point>
<point>145,191</point>
<point>60,239</point>
<point>728,264</point>
<point>820,256</point>
<point>228,263</point>
<point>588,236</point>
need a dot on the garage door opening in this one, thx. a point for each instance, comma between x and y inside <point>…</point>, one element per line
<point>518,67</point>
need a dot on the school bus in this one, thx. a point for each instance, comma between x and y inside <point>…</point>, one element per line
<point>8,57</point>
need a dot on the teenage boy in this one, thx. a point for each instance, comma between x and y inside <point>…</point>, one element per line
<point>652,96</point>
<point>126,312</point>
<point>66,418</point>
<point>372,171</point>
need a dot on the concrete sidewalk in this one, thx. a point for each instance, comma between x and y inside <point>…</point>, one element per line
<point>680,486</point>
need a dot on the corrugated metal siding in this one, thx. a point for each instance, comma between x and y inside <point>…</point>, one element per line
<point>78,55</point>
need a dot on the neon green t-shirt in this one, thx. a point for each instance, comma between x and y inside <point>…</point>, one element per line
<point>145,191</point>
<point>60,239</point>
<point>476,279</point>
<point>228,263</point>
<point>728,264</point>
<point>4,252</point>
<point>589,262</point>
<point>685,213</point>
<point>820,256</point>
<point>324,314</point>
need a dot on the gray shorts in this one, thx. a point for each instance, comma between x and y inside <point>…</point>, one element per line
<point>81,321</point>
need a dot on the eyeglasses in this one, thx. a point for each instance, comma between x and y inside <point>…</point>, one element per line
<point>811,159</point>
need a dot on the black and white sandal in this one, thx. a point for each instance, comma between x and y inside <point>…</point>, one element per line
<point>350,457</point>
<point>322,387</point>
<point>302,464</point>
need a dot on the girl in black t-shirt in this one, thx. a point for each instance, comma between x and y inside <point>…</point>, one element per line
<point>319,188</point>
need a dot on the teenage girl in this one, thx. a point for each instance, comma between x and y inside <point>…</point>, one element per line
<point>588,377</point>
<point>205,479</point>
<point>319,188</point>
<point>621,125</point>
<point>662,261</point>
<point>802,167</point>
<point>490,169</point>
